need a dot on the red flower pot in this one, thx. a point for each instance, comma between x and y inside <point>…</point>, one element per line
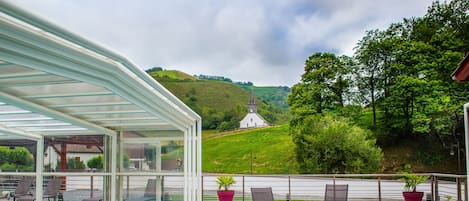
<point>412,196</point>
<point>225,195</point>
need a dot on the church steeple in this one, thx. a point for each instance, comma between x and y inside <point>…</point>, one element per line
<point>252,106</point>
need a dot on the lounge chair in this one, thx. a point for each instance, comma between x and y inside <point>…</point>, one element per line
<point>22,189</point>
<point>150,191</point>
<point>262,194</point>
<point>336,192</point>
<point>50,192</point>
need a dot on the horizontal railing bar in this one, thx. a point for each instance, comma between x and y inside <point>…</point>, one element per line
<point>336,175</point>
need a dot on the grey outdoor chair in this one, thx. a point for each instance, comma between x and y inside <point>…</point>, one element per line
<point>50,192</point>
<point>23,186</point>
<point>150,191</point>
<point>262,194</point>
<point>336,192</point>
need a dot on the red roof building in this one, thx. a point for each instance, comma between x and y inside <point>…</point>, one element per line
<point>461,74</point>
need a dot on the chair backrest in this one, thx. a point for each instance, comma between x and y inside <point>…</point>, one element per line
<point>150,189</point>
<point>53,187</point>
<point>23,185</point>
<point>336,192</point>
<point>262,194</point>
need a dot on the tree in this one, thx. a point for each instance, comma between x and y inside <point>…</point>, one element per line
<point>21,157</point>
<point>323,85</point>
<point>328,145</point>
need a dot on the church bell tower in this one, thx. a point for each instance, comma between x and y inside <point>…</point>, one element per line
<point>252,106</point>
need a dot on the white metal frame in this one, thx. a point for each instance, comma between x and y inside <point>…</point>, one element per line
<point>466,136</point>
<point>54,56</point>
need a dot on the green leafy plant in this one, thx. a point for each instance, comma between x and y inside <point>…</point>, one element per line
<point>412,180</point>
<point>448,197</point>
<point>96,162</point>
<point>225,182</point>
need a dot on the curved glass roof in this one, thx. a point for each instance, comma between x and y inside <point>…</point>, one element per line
<point>55,83</point>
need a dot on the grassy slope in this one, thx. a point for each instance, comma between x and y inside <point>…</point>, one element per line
<point>217,95</point>
<point>276,95</point>
<point>173,74</point>
<point>231,153</point>
<point>221,96</point>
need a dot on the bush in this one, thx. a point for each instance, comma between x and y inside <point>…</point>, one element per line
<point>21,157</point>
<point>73,164</point>
<point>327,145</point>
<point>96,162</point>
<point>8,167</point>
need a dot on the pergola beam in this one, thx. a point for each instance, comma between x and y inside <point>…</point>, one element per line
<point>38,83</point>
<point>33,107</point>
<point>23,75</point>
<point>69,95</point>
<point>17,132</point>
<point>122,119</point>
<point>97,104</point>
<point>109,112</point>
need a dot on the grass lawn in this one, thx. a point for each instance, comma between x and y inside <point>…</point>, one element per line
<point>271,148</point>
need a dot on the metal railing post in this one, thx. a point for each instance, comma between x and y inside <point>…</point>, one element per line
<point>128,187</point>
<point>92,187</point>
<point>466,197</point>
<point>435,183</point>
<point>289,188</point>
<point>202,186</point>
<point>458,183</point>
<point>379,188</point>
<point>243,187</point>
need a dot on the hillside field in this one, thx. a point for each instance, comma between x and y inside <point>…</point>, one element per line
<point>271,147</point>
<point>230,152</point>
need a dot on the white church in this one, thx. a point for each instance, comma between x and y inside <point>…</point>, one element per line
<point>252,119</point>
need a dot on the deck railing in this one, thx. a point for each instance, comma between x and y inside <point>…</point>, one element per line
<point>379,187</point>
<point>370,187</point>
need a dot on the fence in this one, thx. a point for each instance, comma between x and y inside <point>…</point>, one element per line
<point>371,187</point>
<point>379,187</point>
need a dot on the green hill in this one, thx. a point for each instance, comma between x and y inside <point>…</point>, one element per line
<point>275,95</point>
<point>272,148</point>
<point>174,75</point>
<point>221,104</point>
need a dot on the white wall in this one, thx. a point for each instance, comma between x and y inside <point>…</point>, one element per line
<point>252,120</point>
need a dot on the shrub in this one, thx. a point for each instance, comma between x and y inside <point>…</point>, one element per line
<point>74,164</point>
<point>96,162</point>
<point>327,145</point>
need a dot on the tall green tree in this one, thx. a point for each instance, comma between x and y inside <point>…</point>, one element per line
<point>325,144</point>
<point>323,85</point>
<point>405,72</point>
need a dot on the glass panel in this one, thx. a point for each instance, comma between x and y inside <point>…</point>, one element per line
<point>153,188</point>
<point>162,156</point>
<point>78,153</point>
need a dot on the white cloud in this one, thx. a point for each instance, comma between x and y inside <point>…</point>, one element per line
<point>262,41</point>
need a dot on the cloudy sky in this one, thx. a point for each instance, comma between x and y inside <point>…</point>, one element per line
<point>263,41</point>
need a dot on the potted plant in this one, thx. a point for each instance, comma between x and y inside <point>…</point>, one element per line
<point>224,183</point>
<point>411,182</point>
